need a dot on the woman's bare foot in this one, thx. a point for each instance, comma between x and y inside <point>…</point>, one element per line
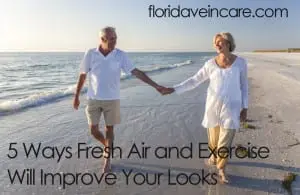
<point>210,162</point>
<point>223,177</point>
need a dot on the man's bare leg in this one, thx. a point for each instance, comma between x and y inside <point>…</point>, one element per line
<point>109,144</point>
<point>97,134</point>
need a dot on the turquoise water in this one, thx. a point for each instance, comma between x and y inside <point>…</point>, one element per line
<point>32,79</point>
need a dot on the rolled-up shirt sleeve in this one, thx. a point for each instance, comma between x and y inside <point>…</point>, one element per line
<point>244,84</point>
<point>194,81</point>
<point>85,63</point>
<point>127,65</point>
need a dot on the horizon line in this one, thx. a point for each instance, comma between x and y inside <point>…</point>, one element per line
<point>129,51</point>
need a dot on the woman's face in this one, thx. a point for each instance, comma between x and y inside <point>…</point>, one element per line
<point>221,45</point>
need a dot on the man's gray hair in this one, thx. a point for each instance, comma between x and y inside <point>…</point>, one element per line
<point>106,29</point>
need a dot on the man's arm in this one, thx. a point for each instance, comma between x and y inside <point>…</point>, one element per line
<point>142,76</point>
<point>80,83</point>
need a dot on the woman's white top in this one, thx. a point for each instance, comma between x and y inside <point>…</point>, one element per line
<point>227,93</point>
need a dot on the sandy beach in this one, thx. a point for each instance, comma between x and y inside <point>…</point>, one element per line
<point>153,121</point>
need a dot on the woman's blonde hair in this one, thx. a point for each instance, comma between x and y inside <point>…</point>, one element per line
<point>228,37</point>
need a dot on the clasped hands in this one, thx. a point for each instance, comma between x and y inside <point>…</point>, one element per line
<point>165,90</point>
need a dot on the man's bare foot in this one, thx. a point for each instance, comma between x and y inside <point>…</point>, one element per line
<point>107,166</point>
<point>223,178</point>
<point>106,157</point>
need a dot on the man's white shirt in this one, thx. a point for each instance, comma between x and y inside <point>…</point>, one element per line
<point>104,73</point>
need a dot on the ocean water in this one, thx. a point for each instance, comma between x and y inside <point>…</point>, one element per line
<point>33,79</point>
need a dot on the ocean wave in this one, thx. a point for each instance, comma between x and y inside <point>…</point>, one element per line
<point>9,106</point>
<point>35,100</point>
<point>158,68</point>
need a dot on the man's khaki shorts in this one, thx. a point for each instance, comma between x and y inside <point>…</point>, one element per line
<point>110,109</point>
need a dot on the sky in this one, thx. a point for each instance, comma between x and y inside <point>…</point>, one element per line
<point>73,25</point>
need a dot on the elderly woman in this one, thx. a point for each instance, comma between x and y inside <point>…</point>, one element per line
<point>227,98</point>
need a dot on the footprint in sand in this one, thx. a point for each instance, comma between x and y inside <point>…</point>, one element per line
<point>277,121</point>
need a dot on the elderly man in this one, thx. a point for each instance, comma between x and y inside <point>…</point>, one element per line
<point>103,66</point>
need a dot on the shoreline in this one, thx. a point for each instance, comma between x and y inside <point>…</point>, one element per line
<point>287,50</point>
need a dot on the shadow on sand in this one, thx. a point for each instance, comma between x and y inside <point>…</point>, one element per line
<point>239,182</point>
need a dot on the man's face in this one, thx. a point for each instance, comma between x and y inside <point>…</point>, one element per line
<point>109,40</point>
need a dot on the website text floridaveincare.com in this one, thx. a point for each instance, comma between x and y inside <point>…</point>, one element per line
<point>212,12</point>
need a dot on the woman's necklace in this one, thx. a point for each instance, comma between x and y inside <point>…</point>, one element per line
<point>226,62</point>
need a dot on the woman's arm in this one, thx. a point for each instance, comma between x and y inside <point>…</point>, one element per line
<point>194,81</point>
<point>244,90</point>
<point>244,85</point>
